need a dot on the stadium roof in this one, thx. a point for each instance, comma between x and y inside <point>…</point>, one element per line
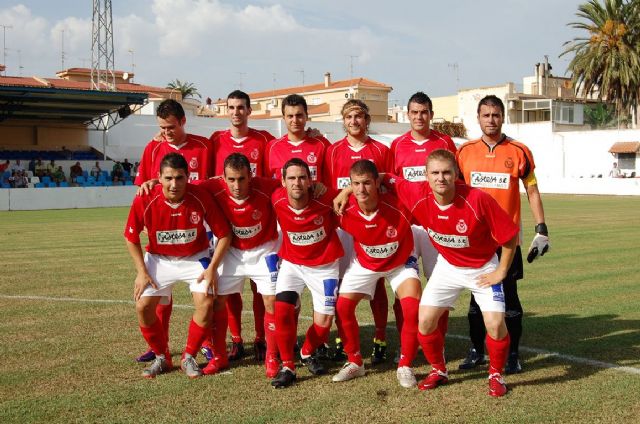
<point>625,147</point>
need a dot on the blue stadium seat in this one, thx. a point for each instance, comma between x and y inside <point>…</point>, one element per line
<point>64,184</point>
<point>128,183</point>
<point>107,183</point>
<point>51,184</point>
<point>6,174</point>
<point>91,180</point>
<point>85,174</point>
<point>80,179</point>
<point>46,179</point>
<point>39,185</point>
<point>6,185</point>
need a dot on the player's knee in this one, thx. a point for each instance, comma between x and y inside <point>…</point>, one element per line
<point>289,297</point>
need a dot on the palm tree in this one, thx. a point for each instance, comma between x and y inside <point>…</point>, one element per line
<point>186,89</point>
<point>606,59</point>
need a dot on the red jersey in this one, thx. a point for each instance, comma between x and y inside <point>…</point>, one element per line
<point>195,150</point>
<point>252,146</point>
<point>308,235</point>
<point>409,156</point>
<point>253,220</point>
<point>468,231</point>
<point>312,150</point>
<point>341,155</point>
<point>175,229</point>
<point>382,241</point>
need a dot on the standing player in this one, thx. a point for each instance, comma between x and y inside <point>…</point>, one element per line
<point>174,213</point>
<point>310,254</point>
<point>409,153</point>
<point>246,203</point>
<point>195,149</point>
<point>383,244</point>
<point>240,138</point>
<point>297,143</point>
<point>341,155</point>
<point>495,163</point>
<point>466,226</point>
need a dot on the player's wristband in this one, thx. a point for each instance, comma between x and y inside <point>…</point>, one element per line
<point>542,229</point>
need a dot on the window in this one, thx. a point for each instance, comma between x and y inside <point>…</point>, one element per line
<point>627,161</point>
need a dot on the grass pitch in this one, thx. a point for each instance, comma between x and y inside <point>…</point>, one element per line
<point>68,335</point>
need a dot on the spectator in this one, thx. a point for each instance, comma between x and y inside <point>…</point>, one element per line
<point>68,154</point>
<point>21,180</point>
<point>135,169</point>
<point>615,171</point>
<point>17,166</point>
<point>126,165</point>
<point>74,172</point>
<point>4,166</point>
<point>96,170</point>
<point>32,166</point>
<point>117,172</point>
<point>41,169</point>
<point>12,179</point>
<point>58,175</point>
<point>51,168</point>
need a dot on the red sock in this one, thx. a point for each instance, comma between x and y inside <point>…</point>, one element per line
<point>258,312</point>
<point>286,332</point>
<point>155,337</point>
<point>409,334</point>
<point>163,312</point>
<point>270,334</point>
<point>397,311</point>
<point>350,333</point>
<point>195,337</point>
<point>433,348</point>
<point>315,337</point>
<point>498,351</point>
<point>220,334</point>
<point>443,323</point>
<point>234,316</point>
<point>380,309</point>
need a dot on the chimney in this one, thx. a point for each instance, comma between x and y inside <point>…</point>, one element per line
<point>327,79</point>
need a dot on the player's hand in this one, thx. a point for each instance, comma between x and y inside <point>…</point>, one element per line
<point>158,136</point>
<point>539,246</point>
<point>340,201</point>
<point>318,190</point>
<point>313,132</point>
<point>146,187</point>
<point>491,279</point>
<point>143,279</point>
<point>210,277</point>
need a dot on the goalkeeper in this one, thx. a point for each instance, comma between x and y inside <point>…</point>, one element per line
<point>495,163</point>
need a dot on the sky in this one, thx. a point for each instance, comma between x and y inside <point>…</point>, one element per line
<point>222,45</point>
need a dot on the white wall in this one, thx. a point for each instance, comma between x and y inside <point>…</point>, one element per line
<point>27,199</point>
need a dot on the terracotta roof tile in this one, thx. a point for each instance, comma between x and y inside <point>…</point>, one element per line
<point>625,147</point>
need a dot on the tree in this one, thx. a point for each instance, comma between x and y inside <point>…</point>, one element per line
<point>186,89</point>
<point>606,60</point>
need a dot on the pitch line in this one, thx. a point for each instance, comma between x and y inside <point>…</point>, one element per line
<point>542,352</point>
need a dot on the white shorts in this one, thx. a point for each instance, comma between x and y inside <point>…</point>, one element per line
<point>358,279</point>
<point>423,247</point>
<point>259,264</point>
<point>447,281</point>
<point>321,280</point>
<point>169,270</point>
<point>346,240</point>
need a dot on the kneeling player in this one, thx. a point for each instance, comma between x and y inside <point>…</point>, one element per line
<point>383,244</point>
<point>310,254</point>
<point>466,226</point>
<point>173,213</point>
<point>246,203</point>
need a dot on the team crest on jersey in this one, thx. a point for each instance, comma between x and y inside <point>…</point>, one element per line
<point>194,218</point>
<point>254,154</point>
<point>193,163</point>
<point>508,163</point>
<point>391,232</point>
<point>256,215</point>
<point>462,226</point>
<point>312,158</point>
<point>318,220</point>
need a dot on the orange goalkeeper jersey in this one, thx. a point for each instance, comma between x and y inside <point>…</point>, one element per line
<point>496,170</point>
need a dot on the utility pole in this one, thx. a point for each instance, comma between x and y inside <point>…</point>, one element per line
<point>301,71</point>
<point>351,57</point>
<point>240,83</point>
<point>133,65</point>
<point>4,46</point>
<point>102,63</point>
<point>455,68</point>
<point>62,50</point>
<point>20,67</point>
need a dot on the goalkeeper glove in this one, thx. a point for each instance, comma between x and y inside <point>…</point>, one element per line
<point>540,244</point>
